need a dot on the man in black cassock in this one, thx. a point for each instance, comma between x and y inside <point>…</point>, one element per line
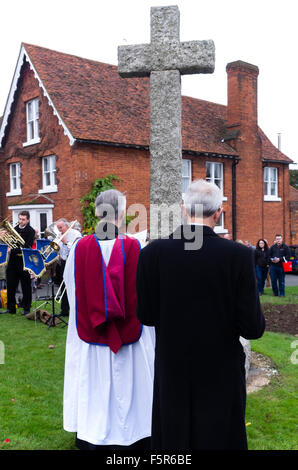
<point>199,301</point>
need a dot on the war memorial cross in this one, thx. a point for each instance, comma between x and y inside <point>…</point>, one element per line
<point>165,59</point>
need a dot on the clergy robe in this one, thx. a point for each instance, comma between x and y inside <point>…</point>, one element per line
<point>107,395</point>
<point>200,302</point>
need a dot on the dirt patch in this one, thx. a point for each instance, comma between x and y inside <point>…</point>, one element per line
<point>281,318</point>
<point>260,372</point>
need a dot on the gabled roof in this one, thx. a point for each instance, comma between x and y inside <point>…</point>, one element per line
<point>270,152</point>
<point>93,103</point>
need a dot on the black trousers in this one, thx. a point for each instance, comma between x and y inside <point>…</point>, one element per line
<point>14,274</point>
<point>64,299</point>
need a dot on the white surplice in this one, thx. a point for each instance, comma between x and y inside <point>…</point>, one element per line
<point>107,397</point>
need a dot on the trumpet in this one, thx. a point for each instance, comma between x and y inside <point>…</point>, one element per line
<point>10,236</point>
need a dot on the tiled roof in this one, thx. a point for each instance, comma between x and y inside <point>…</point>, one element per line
<point>96,104</point>
<point>270,152</point>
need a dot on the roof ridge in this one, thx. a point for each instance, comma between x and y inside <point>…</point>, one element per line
<point>25,44</point>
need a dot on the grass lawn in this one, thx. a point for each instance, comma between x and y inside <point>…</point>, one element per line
<point>290,298</point>
<point>31,389</point>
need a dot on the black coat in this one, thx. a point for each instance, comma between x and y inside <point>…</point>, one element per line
<point>262,258</point>
<point>200,302</point>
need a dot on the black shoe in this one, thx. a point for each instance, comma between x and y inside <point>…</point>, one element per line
<point>7,311</point>
<point>25,312</point>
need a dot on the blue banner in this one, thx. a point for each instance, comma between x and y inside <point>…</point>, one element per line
<point>33,261</point>
<point>49,255</point>
<point>3,254</point>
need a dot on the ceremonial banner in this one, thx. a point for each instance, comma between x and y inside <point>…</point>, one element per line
<point>33,261</point>
<point>3,254</point>
<point>49,255</point>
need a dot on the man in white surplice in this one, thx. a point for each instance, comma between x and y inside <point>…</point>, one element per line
<point>107,395</point>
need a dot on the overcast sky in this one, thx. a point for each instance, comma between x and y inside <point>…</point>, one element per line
<point>261,32</point>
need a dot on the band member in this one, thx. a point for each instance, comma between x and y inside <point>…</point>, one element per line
<point>15,268</point>
<point>65,246</point>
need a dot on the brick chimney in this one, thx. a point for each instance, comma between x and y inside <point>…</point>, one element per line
<point>242,133</point>
<point>242,94</point>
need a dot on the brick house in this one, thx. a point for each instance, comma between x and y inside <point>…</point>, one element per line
<point>70,120</point>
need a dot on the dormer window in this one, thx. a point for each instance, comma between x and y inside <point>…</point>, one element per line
<point>32,122</point>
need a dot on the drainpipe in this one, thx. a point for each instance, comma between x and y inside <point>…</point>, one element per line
<point>234,214</point>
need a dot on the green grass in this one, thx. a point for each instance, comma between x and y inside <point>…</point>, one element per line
<point>31,390</point>
<point>273,410</point>
<point>31,385</point>
<point>290,298</point>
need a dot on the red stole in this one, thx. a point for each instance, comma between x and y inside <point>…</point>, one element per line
<point>106,297</point>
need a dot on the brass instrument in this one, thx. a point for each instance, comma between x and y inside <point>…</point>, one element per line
<point>56,242</point>
<point>11,236</point>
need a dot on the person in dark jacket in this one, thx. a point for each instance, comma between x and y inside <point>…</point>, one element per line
<point>262,263</point>
<point>15,267</point>
<point>200,299</point>
<point>278,253</point>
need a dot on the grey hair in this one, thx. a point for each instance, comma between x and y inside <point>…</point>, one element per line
<point>202,198</point>
<point>65,221</point>
<point>109,205</point>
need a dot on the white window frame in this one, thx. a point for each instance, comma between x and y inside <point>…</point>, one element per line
<point>186,173</point>
<point>220,227</point>
<point>271,177</point>
<point>52,186</point>
<point>212,178</point>
<point>17,191</point>
<point>32,124</point>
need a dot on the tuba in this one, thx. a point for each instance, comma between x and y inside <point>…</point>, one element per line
<point>10,236</point>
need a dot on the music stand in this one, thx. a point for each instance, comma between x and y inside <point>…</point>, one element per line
<point>51,321</point>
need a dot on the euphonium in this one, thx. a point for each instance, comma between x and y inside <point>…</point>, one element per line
<point>11,236</point>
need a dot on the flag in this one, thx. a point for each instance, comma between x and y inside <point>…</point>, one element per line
<point>49,255</point>
<point>3,254</point>
<point>33,261</point>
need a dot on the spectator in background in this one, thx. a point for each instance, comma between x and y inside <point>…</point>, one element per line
<point>278,253</point>
<point>262,263</point>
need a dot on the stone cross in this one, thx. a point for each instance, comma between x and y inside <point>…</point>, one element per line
<point>165,59</point>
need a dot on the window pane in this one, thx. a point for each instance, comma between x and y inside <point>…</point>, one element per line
<point>273,174</point>
<point>218,183</point>
<point>266,188</point>
<point>45,164</point>
<point>53,159</point>
<point>185,184</point>
<point>208,170</point>
<point>29,111</point>
<point>273,189</point>
<point>185,167</point>
<point>30,130</point>
<point>13,170</point>
<point>217,170</point>
<point>43,222</point>
<point>266,173</point>
<point>48,179</point>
